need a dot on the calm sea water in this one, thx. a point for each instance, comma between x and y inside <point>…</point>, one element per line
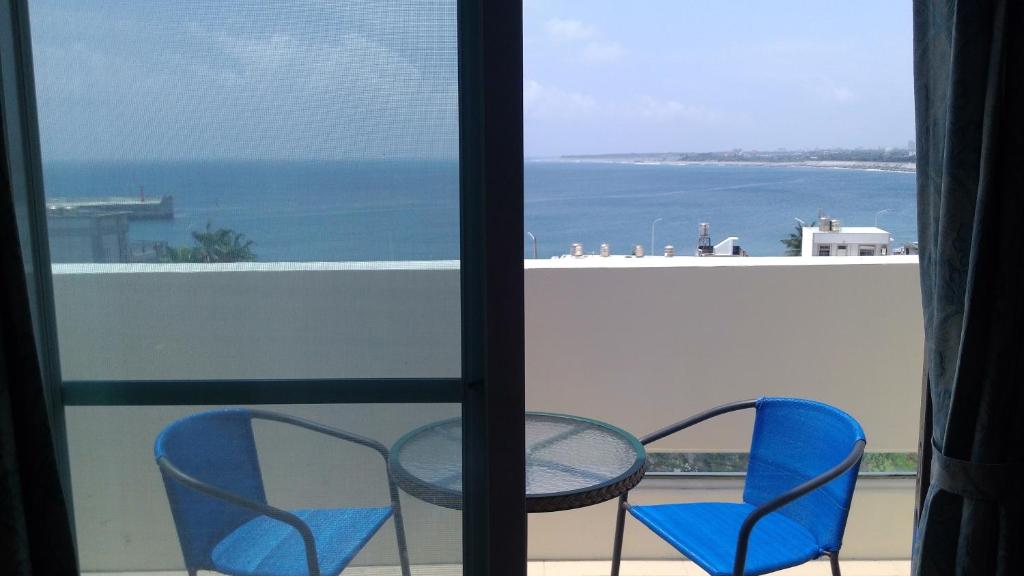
<point>338,211</point>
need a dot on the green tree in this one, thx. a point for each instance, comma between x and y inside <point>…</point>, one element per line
<point>177,254</point>
<point>794,242</point>
<point>209,246</point>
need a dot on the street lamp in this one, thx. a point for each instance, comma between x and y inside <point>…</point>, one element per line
<point>879,213</point>
<point>534,238</point>
<point>656,220</point>
<point>800,222</point>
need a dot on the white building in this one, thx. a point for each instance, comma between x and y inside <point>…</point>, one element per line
<point>830,238</point>
<point>729,247</point>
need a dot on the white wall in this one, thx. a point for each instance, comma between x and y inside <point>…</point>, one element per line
<point>639,343</point>
<point>644,344</point>
<point>182,321</point>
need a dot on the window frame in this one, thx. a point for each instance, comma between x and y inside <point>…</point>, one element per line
<point>22,155</point>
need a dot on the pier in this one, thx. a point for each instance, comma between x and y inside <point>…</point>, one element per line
<point>137,208</point>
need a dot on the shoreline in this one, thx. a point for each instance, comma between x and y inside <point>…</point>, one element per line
<point>904,167</point>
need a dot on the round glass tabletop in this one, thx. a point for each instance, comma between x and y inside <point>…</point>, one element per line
<point>570,462</point>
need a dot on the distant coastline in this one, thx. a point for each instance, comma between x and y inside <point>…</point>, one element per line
<point>395,210</point>
<point>833,164</point>
<point>882,159</point>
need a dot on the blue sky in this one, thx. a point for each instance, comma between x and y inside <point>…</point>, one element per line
<point>245,79</point>
<point>322,79</point>
<point>695,75</point>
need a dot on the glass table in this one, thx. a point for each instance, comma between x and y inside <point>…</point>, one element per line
<point>571,462</point>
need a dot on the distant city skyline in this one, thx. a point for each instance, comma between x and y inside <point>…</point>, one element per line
<point>603,77</point>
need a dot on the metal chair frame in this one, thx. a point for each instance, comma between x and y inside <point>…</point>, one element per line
<point>167,467</point>
<point>761,511</point>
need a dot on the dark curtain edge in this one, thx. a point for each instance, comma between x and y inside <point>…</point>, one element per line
<point>967,64</point>
<point>37,532</point>
<point>36,515</point>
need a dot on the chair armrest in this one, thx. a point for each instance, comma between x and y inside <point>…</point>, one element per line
<point>780,501</point>
<point>697,419</point>
<point>320,428</point>
<point>264,509</point>
<point>396,504</point>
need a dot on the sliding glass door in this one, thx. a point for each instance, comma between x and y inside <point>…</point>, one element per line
<point>306,212</point>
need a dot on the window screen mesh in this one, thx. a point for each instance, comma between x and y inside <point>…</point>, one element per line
<point>249,190</point>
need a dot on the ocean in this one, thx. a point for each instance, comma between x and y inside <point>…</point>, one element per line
<point>408,210</point>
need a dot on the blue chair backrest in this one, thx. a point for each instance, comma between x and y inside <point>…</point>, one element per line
<point>217,448</point>
<point>794,441</point>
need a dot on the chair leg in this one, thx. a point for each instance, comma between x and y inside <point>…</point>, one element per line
<point>833,559</point>
<point>403,550</point>
<point>620,524</point>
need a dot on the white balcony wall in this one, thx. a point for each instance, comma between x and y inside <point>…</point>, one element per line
<point>639,343</point>
<point>187,321</point>
<point>643,344</point>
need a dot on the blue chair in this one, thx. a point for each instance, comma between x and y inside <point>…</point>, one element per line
<point>212,475</point>
<point>804,459</point>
